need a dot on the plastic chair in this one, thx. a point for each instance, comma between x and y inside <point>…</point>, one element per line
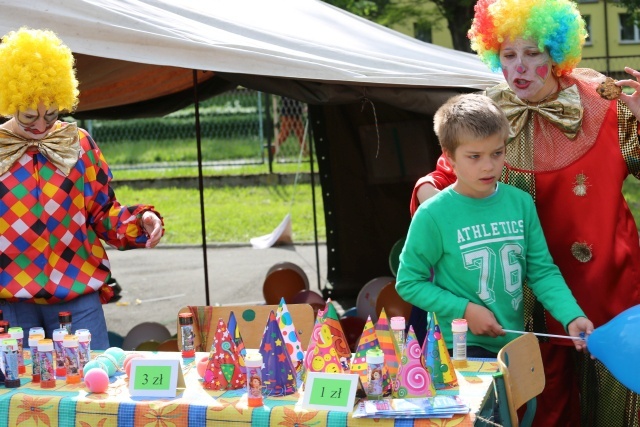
<point>521,379</point>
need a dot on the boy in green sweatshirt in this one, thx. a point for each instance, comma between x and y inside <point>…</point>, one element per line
<point>482,238</point>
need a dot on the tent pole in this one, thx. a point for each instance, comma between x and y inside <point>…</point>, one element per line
<point>313,202</point>
<point>201,186</point>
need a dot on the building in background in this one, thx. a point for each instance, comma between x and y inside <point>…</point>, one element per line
<point>613,43</point>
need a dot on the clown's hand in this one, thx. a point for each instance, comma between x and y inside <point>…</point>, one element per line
<point>633,100</point>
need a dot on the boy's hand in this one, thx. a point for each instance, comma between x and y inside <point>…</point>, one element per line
<point>576,327</point>
<point>481,321</point>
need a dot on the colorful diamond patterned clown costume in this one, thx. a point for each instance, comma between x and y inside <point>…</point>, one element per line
<point>56,203</point>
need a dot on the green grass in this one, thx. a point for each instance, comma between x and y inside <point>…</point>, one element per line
<point>232,214</point>
<point>631,191</point>
<point>159,151</point>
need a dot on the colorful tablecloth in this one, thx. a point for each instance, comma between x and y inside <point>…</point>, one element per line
<point>73,405</point>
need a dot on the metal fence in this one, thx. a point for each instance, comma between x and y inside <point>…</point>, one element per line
<point>612,66</point>
<point>258,127</point>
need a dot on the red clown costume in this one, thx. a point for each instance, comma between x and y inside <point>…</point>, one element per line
<point>589,228</point>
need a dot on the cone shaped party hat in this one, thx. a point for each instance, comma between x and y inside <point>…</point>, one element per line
<point>368,340</point>
<point>332,320</point>
<point>223,369</point>
<point>278,373</point>
<point>288,329</point>
<point>324,356</point>
<point>385,339</point>
<point>413,379</point>
<point>315,333</point>
<point>436,356</point>
<point>234,331</point>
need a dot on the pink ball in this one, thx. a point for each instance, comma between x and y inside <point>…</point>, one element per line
<point>127,361</point>
<point>202,365</point>
<point>96,380</point>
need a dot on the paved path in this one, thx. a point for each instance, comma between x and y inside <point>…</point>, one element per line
<point>156,283</point>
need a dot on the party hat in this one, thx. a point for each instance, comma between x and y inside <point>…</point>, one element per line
<point>332,320</point>
<point>436,356</point>
<point>294,348</point>
<point>368,340</point>
<point>315,335</point>
<point>223,370</point>
<point>315,332</point>
<point>413,379</point>
<point>324,356</point>
<point>278,373</point>
<point>234,331</point>
<point>385,339</point>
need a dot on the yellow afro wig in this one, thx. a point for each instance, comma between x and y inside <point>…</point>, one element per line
<point>36,67</point>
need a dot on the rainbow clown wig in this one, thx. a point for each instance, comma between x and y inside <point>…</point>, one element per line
<point>36,67</point>
<point>556,26</point>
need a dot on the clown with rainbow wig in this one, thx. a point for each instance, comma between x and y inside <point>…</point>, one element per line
<point>572,151</point>
<point>57,203</point>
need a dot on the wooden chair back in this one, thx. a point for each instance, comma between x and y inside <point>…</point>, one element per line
<point>251,320</point>
<point>521,366</point>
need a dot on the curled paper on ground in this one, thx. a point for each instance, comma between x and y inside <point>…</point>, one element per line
<point>282,235</point>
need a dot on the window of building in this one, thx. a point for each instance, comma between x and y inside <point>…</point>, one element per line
<point>587,20</point>
<point>422,31</point>
<point>629,32</point>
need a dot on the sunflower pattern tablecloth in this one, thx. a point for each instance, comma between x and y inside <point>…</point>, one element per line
<point>73,405</point>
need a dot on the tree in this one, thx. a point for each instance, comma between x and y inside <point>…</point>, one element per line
<point>633,9</point>
<point>458,14</point>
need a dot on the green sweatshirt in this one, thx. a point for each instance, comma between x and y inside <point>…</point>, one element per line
<point>481,251</point>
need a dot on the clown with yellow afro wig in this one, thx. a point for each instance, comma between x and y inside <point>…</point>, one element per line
<point>555,25</point>
<point>36,67</point>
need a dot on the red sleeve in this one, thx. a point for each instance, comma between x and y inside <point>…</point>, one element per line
<point>442,177</point>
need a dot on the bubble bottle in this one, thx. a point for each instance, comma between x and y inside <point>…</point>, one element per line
<point>375,368</point>
<point>4,326</point>
<point>47,364</point>
<point>58,348</point>
<point>84,348</point>
<point>71,359</point>
<point>186,331</point>
<point>17,333</point>
<point>459,329</point>
<point>36,330</point>
<point>10,361</point>
<point>35,359</point>
<point>397,329</point>
<point>64,317</point>
<point>253,363</point>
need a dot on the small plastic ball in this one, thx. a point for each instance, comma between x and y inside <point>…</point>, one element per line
<point>118,354</point>
<point>96,380</point>
<point>92,364</point>
<point>128,359</point>
<point>202,365</point>
<point>110,362</point>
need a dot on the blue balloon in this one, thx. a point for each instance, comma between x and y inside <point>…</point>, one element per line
<point>617,345</point>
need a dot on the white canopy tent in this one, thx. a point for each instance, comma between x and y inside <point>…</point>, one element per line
<point>160,41</point>
<point>138,58</point>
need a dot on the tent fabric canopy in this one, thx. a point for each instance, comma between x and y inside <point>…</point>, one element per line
<point>132,51</point>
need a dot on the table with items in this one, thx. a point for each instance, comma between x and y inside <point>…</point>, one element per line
<point>74,405</point>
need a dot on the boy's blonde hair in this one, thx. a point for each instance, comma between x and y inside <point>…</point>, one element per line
<point>471,116</point>
<point>36,67</point>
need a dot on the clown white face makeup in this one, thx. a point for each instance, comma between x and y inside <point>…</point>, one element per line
<point>527,70</point>
<point>36,124</point>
